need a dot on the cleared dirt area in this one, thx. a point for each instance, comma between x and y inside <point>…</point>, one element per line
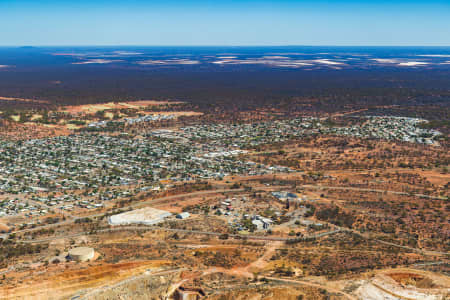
<point>19,131</point>
<point>64,120</point>
<point>94,108</point>
<point>3,227</point>
<point>351,219</point>
<point>56,283</point>
<point>419,279</point>
<point>405,284</point>
<point>23,100</point>
<point>267,293</point>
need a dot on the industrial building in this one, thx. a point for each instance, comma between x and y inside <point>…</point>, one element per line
<point>183,215</point>
<point>81,253</point>
<point>261,222</point>
<point>145,216</point>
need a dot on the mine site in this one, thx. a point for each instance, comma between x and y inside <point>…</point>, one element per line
<point>154,200</point>
<point>224,150</point>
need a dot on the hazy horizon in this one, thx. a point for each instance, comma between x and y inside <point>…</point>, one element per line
<point>226,23</point>
<point>222,46</point>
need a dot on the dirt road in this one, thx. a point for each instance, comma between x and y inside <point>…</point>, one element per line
<point>370,190</point>
<point>313,284</point>
<point>132,206</point>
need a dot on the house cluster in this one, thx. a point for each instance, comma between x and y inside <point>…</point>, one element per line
<point>130,121</point>
<point>92,161</point>
<point>149,118</point>
<point>285,196</point>
<point>391,128</point>
<point>242,136</point>
<point>236,211</point>
<point>291,198</point>
<point>31,205</point>
<point>261,223</point>
<point>10,207</point>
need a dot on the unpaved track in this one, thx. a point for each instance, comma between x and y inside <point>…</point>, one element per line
<point>313,284</point>
<point>260,263</point>
<point>126,281</point>
<point>325,187</point>
<point>422,251</point>
<point>150,228</point>
<point>132,206</point>
<point>391,293</point>
<point>417,250</point>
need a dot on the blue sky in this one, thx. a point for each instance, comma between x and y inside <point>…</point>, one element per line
<point>247,22</point>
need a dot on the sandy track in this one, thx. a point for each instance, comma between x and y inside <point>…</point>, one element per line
<point>23,100</point>
<point>61,285</point>
<point>312,284</point>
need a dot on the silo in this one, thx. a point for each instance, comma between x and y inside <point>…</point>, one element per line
<point>81,253</point>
